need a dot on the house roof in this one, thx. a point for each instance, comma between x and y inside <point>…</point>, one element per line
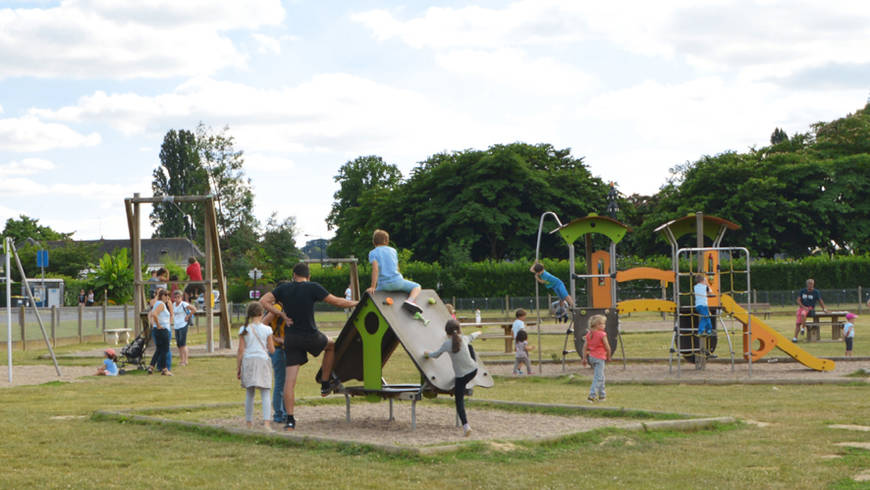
<point>156,251</point>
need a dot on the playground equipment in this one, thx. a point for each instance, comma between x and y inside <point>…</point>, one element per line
<point>213,273</point>
<point>373,332</point>
<point>602,280</point>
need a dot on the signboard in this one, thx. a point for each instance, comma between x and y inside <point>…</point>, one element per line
<point>254,294</point>
<point>42,258</point>
<point>255,274</point>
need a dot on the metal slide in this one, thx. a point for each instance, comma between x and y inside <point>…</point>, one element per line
<point>769,338</point>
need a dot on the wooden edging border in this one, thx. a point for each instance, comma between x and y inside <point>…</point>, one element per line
<point>688,424</point>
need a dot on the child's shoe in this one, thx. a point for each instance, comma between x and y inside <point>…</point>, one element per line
<point>411,307</point>
<point>289,423</point>
<point>466,430</point>
<point>591,398</point>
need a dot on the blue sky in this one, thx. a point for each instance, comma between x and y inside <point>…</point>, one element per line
<point>88,88</point>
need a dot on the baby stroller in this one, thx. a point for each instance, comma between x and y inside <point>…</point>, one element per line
<point>134,352</point>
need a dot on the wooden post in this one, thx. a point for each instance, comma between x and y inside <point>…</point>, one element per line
<point>860,299</point>
<point>354,282</point>
<point>105,308</point>
<point>81,314</point>
<point>209,277</point>
<point>507,305</point>
<point>125,315</point>
<point>699,235</point>
<point>54,326</point>
<point>21,322</point>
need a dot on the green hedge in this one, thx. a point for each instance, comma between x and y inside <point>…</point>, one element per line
<point>496,279</point>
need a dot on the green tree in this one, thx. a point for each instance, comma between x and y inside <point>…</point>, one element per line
<point>778,136</point>
<point>279,247</point>
<point>361,181</point>
<point>25,227</point>
<point>180,173</point>
<point>234,200</point>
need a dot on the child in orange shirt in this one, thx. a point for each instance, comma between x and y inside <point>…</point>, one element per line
<point>597,352</point>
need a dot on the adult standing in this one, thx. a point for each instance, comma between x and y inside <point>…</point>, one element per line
<point>806,301</point>
<point>183,314</point>
<point>162,319</point>
<point>301,336</point>
<point>194,273</point>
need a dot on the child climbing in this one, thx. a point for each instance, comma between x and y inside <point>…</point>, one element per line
<point>254,367</point>
<point>596,352</point>
<point>464,366</point>
<point>849,332</point>
<point>702,292</point>
<point>552,282</point>
<point>522,356</point>
<point>109,367</point>
<point>385,272</point>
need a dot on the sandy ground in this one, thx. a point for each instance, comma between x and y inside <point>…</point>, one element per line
<point>436,424</point>
<point>719,371</point>
<point>34,375</point>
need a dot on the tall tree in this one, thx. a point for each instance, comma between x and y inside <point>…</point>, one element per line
<point>180,173</point>
<point>234,200</point>
<point>778,136</point>
<point>279,246</point>
<point>359,179</point>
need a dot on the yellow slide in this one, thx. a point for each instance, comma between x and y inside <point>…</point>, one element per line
<point>768,338</point>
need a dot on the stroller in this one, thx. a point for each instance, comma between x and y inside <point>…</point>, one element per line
<point>134,352</point>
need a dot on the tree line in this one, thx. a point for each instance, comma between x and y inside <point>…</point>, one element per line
<point>800,195</point>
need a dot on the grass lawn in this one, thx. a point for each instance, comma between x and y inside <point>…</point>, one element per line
<point>41,451</point>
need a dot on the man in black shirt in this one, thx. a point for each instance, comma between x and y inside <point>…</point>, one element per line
<point>301,336</point>
<point>806,300</point>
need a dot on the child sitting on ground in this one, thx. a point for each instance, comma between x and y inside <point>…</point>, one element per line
<point>519,323</point>
<point>109,366</point>
<point>596,352</point>
<point>522,348</point>
<point>385,272</point>
<point>254,366</point>
<point>849,333</point>
<point>553,283</point>
<point>464,366</point>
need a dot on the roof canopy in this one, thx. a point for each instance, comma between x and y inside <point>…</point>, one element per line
<point>593,223</point>
<point>687,224</point>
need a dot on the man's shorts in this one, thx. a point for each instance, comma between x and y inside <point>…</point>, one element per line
<point>399,284</point>
<point>802,314</point>
<point>297,346</point>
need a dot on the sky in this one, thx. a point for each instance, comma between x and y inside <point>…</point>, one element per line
<point>89,88</point>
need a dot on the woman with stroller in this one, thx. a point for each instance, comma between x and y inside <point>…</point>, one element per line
<point>161,318</point>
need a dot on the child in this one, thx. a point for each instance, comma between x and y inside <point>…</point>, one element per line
<point>560,312</point>
<point>519,323</point>
<point>464,366</point>
<point>849,333</point>
<point>596,352</point>
<point>523,349</point>
<point>385,272</point>
<point>109,366</point>
<point>254,367</point>
<point>702,292</point>
<point>553,283</point>
<point>450,310</point>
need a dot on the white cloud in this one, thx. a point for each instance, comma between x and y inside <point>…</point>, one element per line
<point>29,134</point>
<point>266,44</point>
<point>259,162</point>
<point>758,38</point>
<point>337,112</point>
<point>102,38</point>
<point>26,166</point>
<point>21,186</point>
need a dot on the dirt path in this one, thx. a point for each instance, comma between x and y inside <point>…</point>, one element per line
<point>38,374</point>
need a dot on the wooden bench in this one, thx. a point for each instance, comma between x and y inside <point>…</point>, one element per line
<point>115,332</point>
<point>833,319</point>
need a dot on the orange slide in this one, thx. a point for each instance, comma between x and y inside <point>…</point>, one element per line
<point>768,338</point>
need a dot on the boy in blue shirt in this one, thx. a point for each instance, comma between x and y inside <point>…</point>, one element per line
<point>702,292</point>
<point>552,282</point>
<point>385,272</point>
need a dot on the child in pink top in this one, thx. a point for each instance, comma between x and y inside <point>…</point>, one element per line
<point>596,351</point>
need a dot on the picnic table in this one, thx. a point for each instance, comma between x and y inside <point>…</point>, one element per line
<point>505,325</point>
<point>820,319</point>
